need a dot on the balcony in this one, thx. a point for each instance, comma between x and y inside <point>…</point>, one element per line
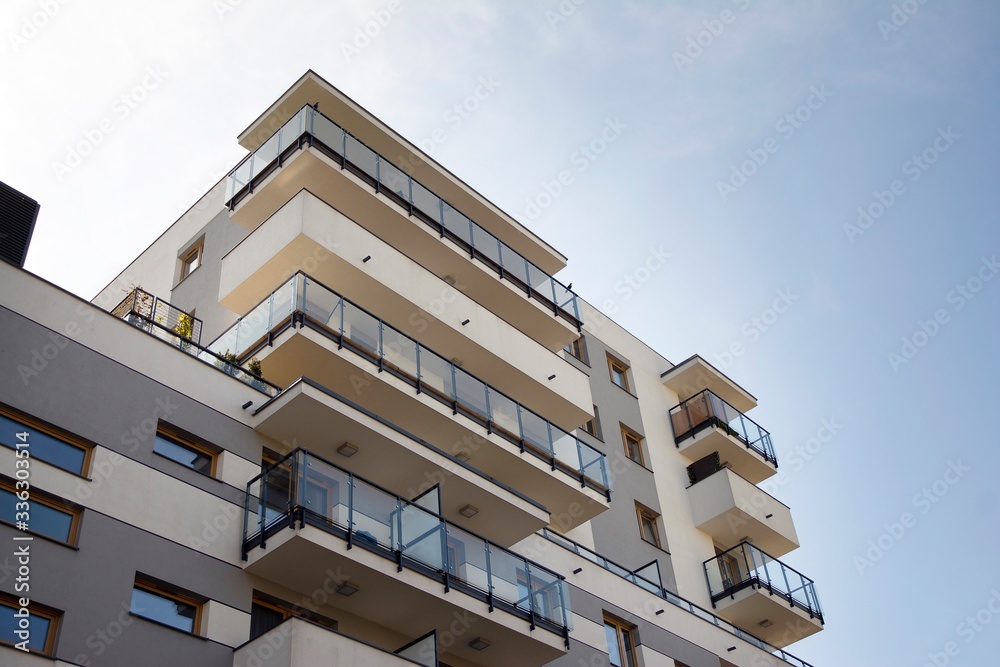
<point>648,578</point>
<point>300,643</point>
<point>305,325</point>
<point>730,509</point>
<point>694,374</point>
<point>307,519</point>
<point>754,590</point>
<point>705,423</point>
<point>182,331</point>
<point>312,152</point>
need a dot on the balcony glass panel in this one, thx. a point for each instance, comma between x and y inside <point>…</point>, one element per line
<point>457,224</point>
<point>428,202</point>
<point>394,180</point>
<point>705,409</point>
<point>503,412</point>
<point>328,133</point>
<point>331,137</point>
<point>362,157</point>
<point>510,578</point>
<point>436,374</point>
<point>400,351</point>
<point>375,515</point>
<point>486,244</point>
<point>745,565</point>
<point>467,558</point>
<point>367,335</point>
<point>471,393</point>
<point>514,264</point>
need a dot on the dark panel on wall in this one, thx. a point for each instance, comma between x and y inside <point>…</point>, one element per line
<point>17,222</point>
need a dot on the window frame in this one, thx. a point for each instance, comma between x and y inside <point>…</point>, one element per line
<point>174,437</point>
<point>194,255</point>
<point>594,424</point>
<point>288,610</point>
<point>645,514</point>
<point>578,350</point>
<point>54,617</point>
<point>40,497</point>
<point>167,592</point>
<point>59,434</point>
<point>623,368</point>
<point>629,434</point>
<point>627,655</point>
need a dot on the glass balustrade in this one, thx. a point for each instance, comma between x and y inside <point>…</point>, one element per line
<point>310,127</point>
<point>705,409</point>
<point>395,352</point>
<point>745,565</point>
<point>305,489</point>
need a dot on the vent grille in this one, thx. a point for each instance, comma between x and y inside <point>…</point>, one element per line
<point>17,222</point>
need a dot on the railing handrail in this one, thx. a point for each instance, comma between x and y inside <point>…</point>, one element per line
<point>727,403</point>
<point>308,454</point>
<point>720,622</point>
<point>297,307</point>
<point>744,543</point>
<point>201,349</point>
<point>308,128</point>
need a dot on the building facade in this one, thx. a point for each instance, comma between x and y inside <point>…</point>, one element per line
<point>341,412</point>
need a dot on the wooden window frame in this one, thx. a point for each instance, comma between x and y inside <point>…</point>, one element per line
<point>629,434</point>
<point>623,369</point>
<point>30,422</point>
<point>193,255</point>
<point>622,629</point>
<point>593,426</point>
<point>174,436</point>
<point>42,498</point>
<point>54,617</point>
<point>170,593</point>
<point>578,350</point>
<point>644,513</point>
<point>288,610</point>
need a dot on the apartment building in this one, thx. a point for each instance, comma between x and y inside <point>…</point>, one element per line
<point>342,412</point>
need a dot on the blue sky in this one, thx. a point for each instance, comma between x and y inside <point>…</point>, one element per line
<point>741,137</point>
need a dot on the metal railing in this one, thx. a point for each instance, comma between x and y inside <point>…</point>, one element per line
<point>303,488</point>
<point>657,588</point>
<point>303,300</point>
<point>705,410</point>
<point>183,331</point>
<point>309,127</point>
<point>746,566</point>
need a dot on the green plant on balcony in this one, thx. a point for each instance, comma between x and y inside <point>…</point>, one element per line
<point>228,363</point>
<point>185,330</point>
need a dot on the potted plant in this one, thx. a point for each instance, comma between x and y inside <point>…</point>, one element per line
<point>184,330</point>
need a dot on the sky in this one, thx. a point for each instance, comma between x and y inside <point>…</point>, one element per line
<point>801,192</point>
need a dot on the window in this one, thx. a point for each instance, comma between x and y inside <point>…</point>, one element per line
<point>156,603</point>
<point>621,651</point>
<point>268,612</point>
<point>42,622</point>
<point>44,444</point>
<point>49,516</point>
<point>593,426</point>
<point>191,260</point>
<point>186,453</point>
<point>647,525</point>
<point>577,349</point>
<point>633,445</point>
<point>619,373</point>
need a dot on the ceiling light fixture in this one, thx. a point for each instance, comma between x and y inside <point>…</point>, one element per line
<point>347,450</point>
<point>469,511</point>
<point>479,644</point>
